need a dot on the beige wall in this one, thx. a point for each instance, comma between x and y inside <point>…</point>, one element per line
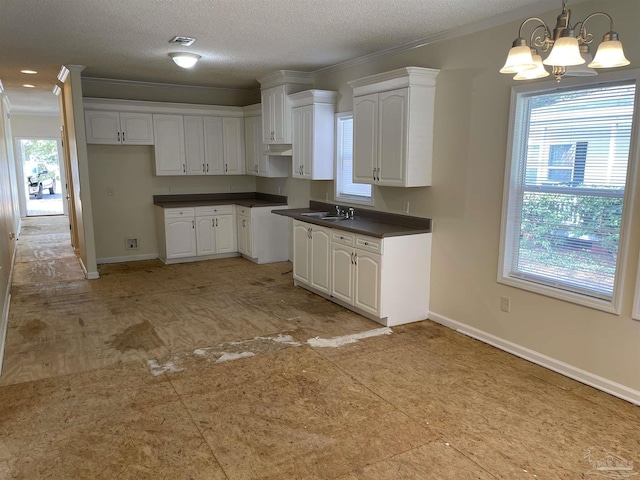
<point>129,212</point>
<point>35,126</point>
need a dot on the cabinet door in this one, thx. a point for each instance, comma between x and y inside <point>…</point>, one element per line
<point>301,253</point>
<point>194,145</point>
<point>233,135</point>
<point>342,271</point>
<point>365,138</point>
<point>102,127</point>
<point>136,128</point>
<point>245,240</point>
<point>181,237</point>
<point>307,141</point>
<point>297,140</point>
<point>267,115</point>
<point>169,151</point>
<point>251,153</point>
<point>225,231</point>
<point>281,124</point>
<point>205,236</point>
<point>367,281</point>
<point>392,134</point>
<point>320,259</point>
<point>213,145</point>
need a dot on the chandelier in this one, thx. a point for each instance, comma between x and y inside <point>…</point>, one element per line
<point>568,48</point>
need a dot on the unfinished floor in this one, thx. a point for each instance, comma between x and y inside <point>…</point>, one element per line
<point>213,370</point>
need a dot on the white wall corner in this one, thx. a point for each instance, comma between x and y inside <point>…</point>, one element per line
<point>582,376</point>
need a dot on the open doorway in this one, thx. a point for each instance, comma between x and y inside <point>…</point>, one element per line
<point>42,176</point>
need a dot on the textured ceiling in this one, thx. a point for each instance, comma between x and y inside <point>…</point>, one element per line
<point>239,40</point>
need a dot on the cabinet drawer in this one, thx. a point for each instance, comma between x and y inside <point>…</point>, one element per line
<point>244,211</point>
<point>211,210</point>
<point>179,212</point>
<point>343,238</point>
<point>369,244</point>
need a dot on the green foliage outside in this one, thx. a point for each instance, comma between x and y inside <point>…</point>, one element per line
<point>41,151</point>
<point>564,231</point>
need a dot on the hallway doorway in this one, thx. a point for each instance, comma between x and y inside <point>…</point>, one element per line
<point>42,177</point>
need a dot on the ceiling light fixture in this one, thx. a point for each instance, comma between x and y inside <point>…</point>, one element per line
<point>568,49</point>
<point>185,59</point>
<point>57,90</point>
<point>29,72</point>
<point>28,85</point>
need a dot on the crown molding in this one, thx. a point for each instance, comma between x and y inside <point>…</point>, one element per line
<point>137,83</point>
<point>495,21</point>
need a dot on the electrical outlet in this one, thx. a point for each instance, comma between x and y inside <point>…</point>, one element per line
<point>505,304</point>
<point>405,207</point>
<point>110,191</point>
<point>131,243</point>
<point>326,197</point>
<point>170,189</point>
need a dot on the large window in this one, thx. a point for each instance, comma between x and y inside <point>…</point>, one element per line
<point>346,190</point>
<point>563,227</point>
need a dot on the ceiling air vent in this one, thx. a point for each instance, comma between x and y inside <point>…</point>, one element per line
<point>183,41</point>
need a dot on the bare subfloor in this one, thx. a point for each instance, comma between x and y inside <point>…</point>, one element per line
<point>204,371</point>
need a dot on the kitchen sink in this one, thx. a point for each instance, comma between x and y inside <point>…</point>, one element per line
<point>332,217</point>
<point>315,214</point>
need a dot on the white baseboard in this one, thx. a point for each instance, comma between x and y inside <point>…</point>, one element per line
<point>88,275</point>
<point>128,258</point>
<point>4,320</point>
<point>595,381</point>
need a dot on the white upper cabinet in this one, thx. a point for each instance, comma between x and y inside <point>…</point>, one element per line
<point>393,127</point>
<point>213,146</point>
<point>257,163</point>
<point>313,129</point>
<point>194,145</point>
<point>118,128</point>
<point>170,156</point>
<point>276,122</point>
<point>276,106</point>
<point>233,144</point>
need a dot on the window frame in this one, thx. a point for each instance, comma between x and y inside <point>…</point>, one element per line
<point>338,195</point>
<point>512,207</point>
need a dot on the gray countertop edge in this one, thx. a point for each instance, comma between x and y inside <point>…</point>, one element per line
<point>245,199</point>
<point>362,225</point>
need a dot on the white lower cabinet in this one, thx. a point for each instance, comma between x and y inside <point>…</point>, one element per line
<point>196,233</point>
<point>385,279</point>
<point>263,237</point>
<point>215,230</point>
<point>180,233</point>
<point>312,251</point>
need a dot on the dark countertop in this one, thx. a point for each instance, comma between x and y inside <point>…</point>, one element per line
<point>365,222</point>
<point>244,199</point>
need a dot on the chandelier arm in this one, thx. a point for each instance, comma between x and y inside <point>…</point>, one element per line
<point>538,41</point>
<point>542,43</point>
<point>585,37</point>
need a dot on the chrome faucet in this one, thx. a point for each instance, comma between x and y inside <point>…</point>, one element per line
<point>339,211</point>
<point>350,213</point>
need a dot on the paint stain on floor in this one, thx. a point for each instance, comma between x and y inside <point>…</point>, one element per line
<point>141,336</point>
<point>32,329</point>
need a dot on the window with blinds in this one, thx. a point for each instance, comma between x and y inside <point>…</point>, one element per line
<point>345,188</point>
<point>566,189</point>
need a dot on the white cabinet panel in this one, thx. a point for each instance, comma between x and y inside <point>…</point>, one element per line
<point>225,234</point>
<point>205,236</point>
<point>276,111</point>
<point>170,156</point>
<point>342,283</point>
<point>180,237</point>
<point>312,255</point>
<point>365,138</point>
<point>301,252</point>
<point>194,145</point>
<point>233,141</point>
<point>213,145</point>
<point>117,128</point>
<point>368,276</point>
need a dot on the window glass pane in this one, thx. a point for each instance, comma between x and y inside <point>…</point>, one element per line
<point>345,187</point>
<point>573,172</point>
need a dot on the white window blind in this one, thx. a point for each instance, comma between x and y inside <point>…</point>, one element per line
<point>345,188</point>
<point>570,157</point>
